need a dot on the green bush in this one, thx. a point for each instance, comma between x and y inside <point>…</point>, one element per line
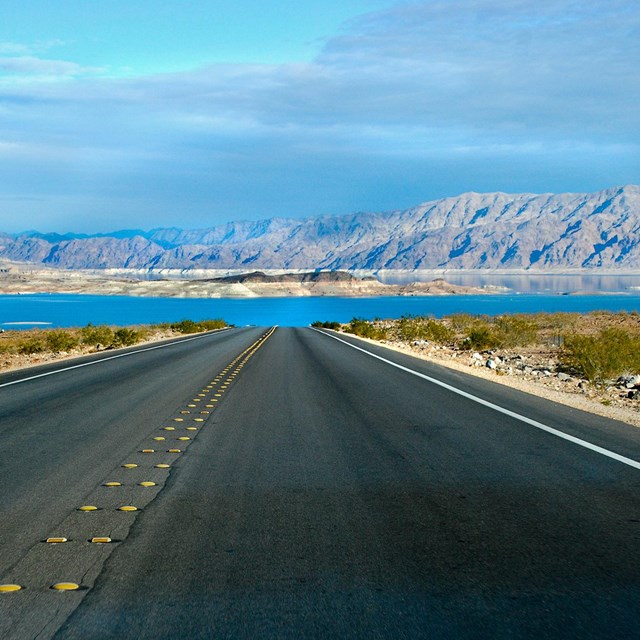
<point>94,336</point>
<point>366,329</point>
<point>189,326</point>
<point>211,325</point>
<point>326,324</point>
<point>463,322</point>
<point>515,331</point>
<point>31,345</point>
<point>411,328</point>
<point>185,326</point>
<point>418,328</point>
<point>609,354</point>
<point>59,340</point>
<point>438,331</point>
<point>480,337</point>
<point>125,337</point>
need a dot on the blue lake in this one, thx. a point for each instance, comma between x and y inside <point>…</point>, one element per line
<point>64,310</point>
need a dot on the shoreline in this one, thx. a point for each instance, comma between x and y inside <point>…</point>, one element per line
<point>25,279</point>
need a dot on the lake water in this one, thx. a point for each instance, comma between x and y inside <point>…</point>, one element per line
<point>64,310</point>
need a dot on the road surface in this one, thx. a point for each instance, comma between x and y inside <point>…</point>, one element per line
<point>327,493</point>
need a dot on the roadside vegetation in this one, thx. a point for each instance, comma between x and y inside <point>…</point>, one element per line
<point>600,347</point>
<point>50,342</point>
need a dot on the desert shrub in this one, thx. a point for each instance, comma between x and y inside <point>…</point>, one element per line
<point>438,331</point>
<point>210,325</point>
<point>417,328</point>
<point>609,354</point>
<point>32,344</point>
<point>125,337</point>
<point>189,326</point>
<point>366,329</point>
<point>480,337</point>
<point>326,324</point>
<point>185,326</point>
<point>515,331</point>
<point>463,323</point>
<point>59,340</point>
<point>94,336</point>
<point>9,343</point>
<point>411,328</point>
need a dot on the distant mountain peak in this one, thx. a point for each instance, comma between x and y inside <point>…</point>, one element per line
<point>469,231</point>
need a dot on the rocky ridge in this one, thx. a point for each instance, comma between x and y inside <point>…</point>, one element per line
<point>470,231</point>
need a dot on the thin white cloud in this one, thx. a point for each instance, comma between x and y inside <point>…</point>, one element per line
<point>437,89</point>
<point>14,48</point>
<point>41,68</point>
<point>22,49</point>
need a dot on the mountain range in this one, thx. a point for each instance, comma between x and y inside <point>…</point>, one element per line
<point>470,231</point>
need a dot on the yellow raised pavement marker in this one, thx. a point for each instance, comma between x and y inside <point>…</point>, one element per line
<point>192,428</point>
<point>88,507</point>
<point>159,438</point>
<point>8,588</point>
<point>184,411</point>
<point>148,451</point>
<point>204,412</point>
<point>65,586</point>
<point>101,540</point>
<point>59,540</point>
<point>198,419</point>
<point>174,450</point>
<point>169,428</point>
<point>178,419</point>
<point>130,465</point>
<point>191,405</point>
<point>112,484</point>
<point>127,507</point>
<point>162,465</point>
<point>147,483</point>
<point>184,438</point>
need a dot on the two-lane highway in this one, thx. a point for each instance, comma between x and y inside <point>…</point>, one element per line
<point>329,494</point>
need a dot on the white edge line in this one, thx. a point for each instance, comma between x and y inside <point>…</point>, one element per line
<point>120,355</point>
<point>495,407</point>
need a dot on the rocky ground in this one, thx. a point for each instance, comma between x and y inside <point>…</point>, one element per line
<point>535,370</point>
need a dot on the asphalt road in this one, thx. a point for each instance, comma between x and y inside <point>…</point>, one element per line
<point>327,493</point>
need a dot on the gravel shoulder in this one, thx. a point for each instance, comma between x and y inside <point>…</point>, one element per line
<point>15,361</point>
<point>574,393</point>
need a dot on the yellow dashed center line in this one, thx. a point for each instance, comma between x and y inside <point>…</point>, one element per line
<point>227,377</point>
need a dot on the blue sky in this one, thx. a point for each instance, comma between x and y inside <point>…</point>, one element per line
<point>191,113</point>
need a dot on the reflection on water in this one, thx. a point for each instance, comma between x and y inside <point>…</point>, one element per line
<point>535,283</point>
